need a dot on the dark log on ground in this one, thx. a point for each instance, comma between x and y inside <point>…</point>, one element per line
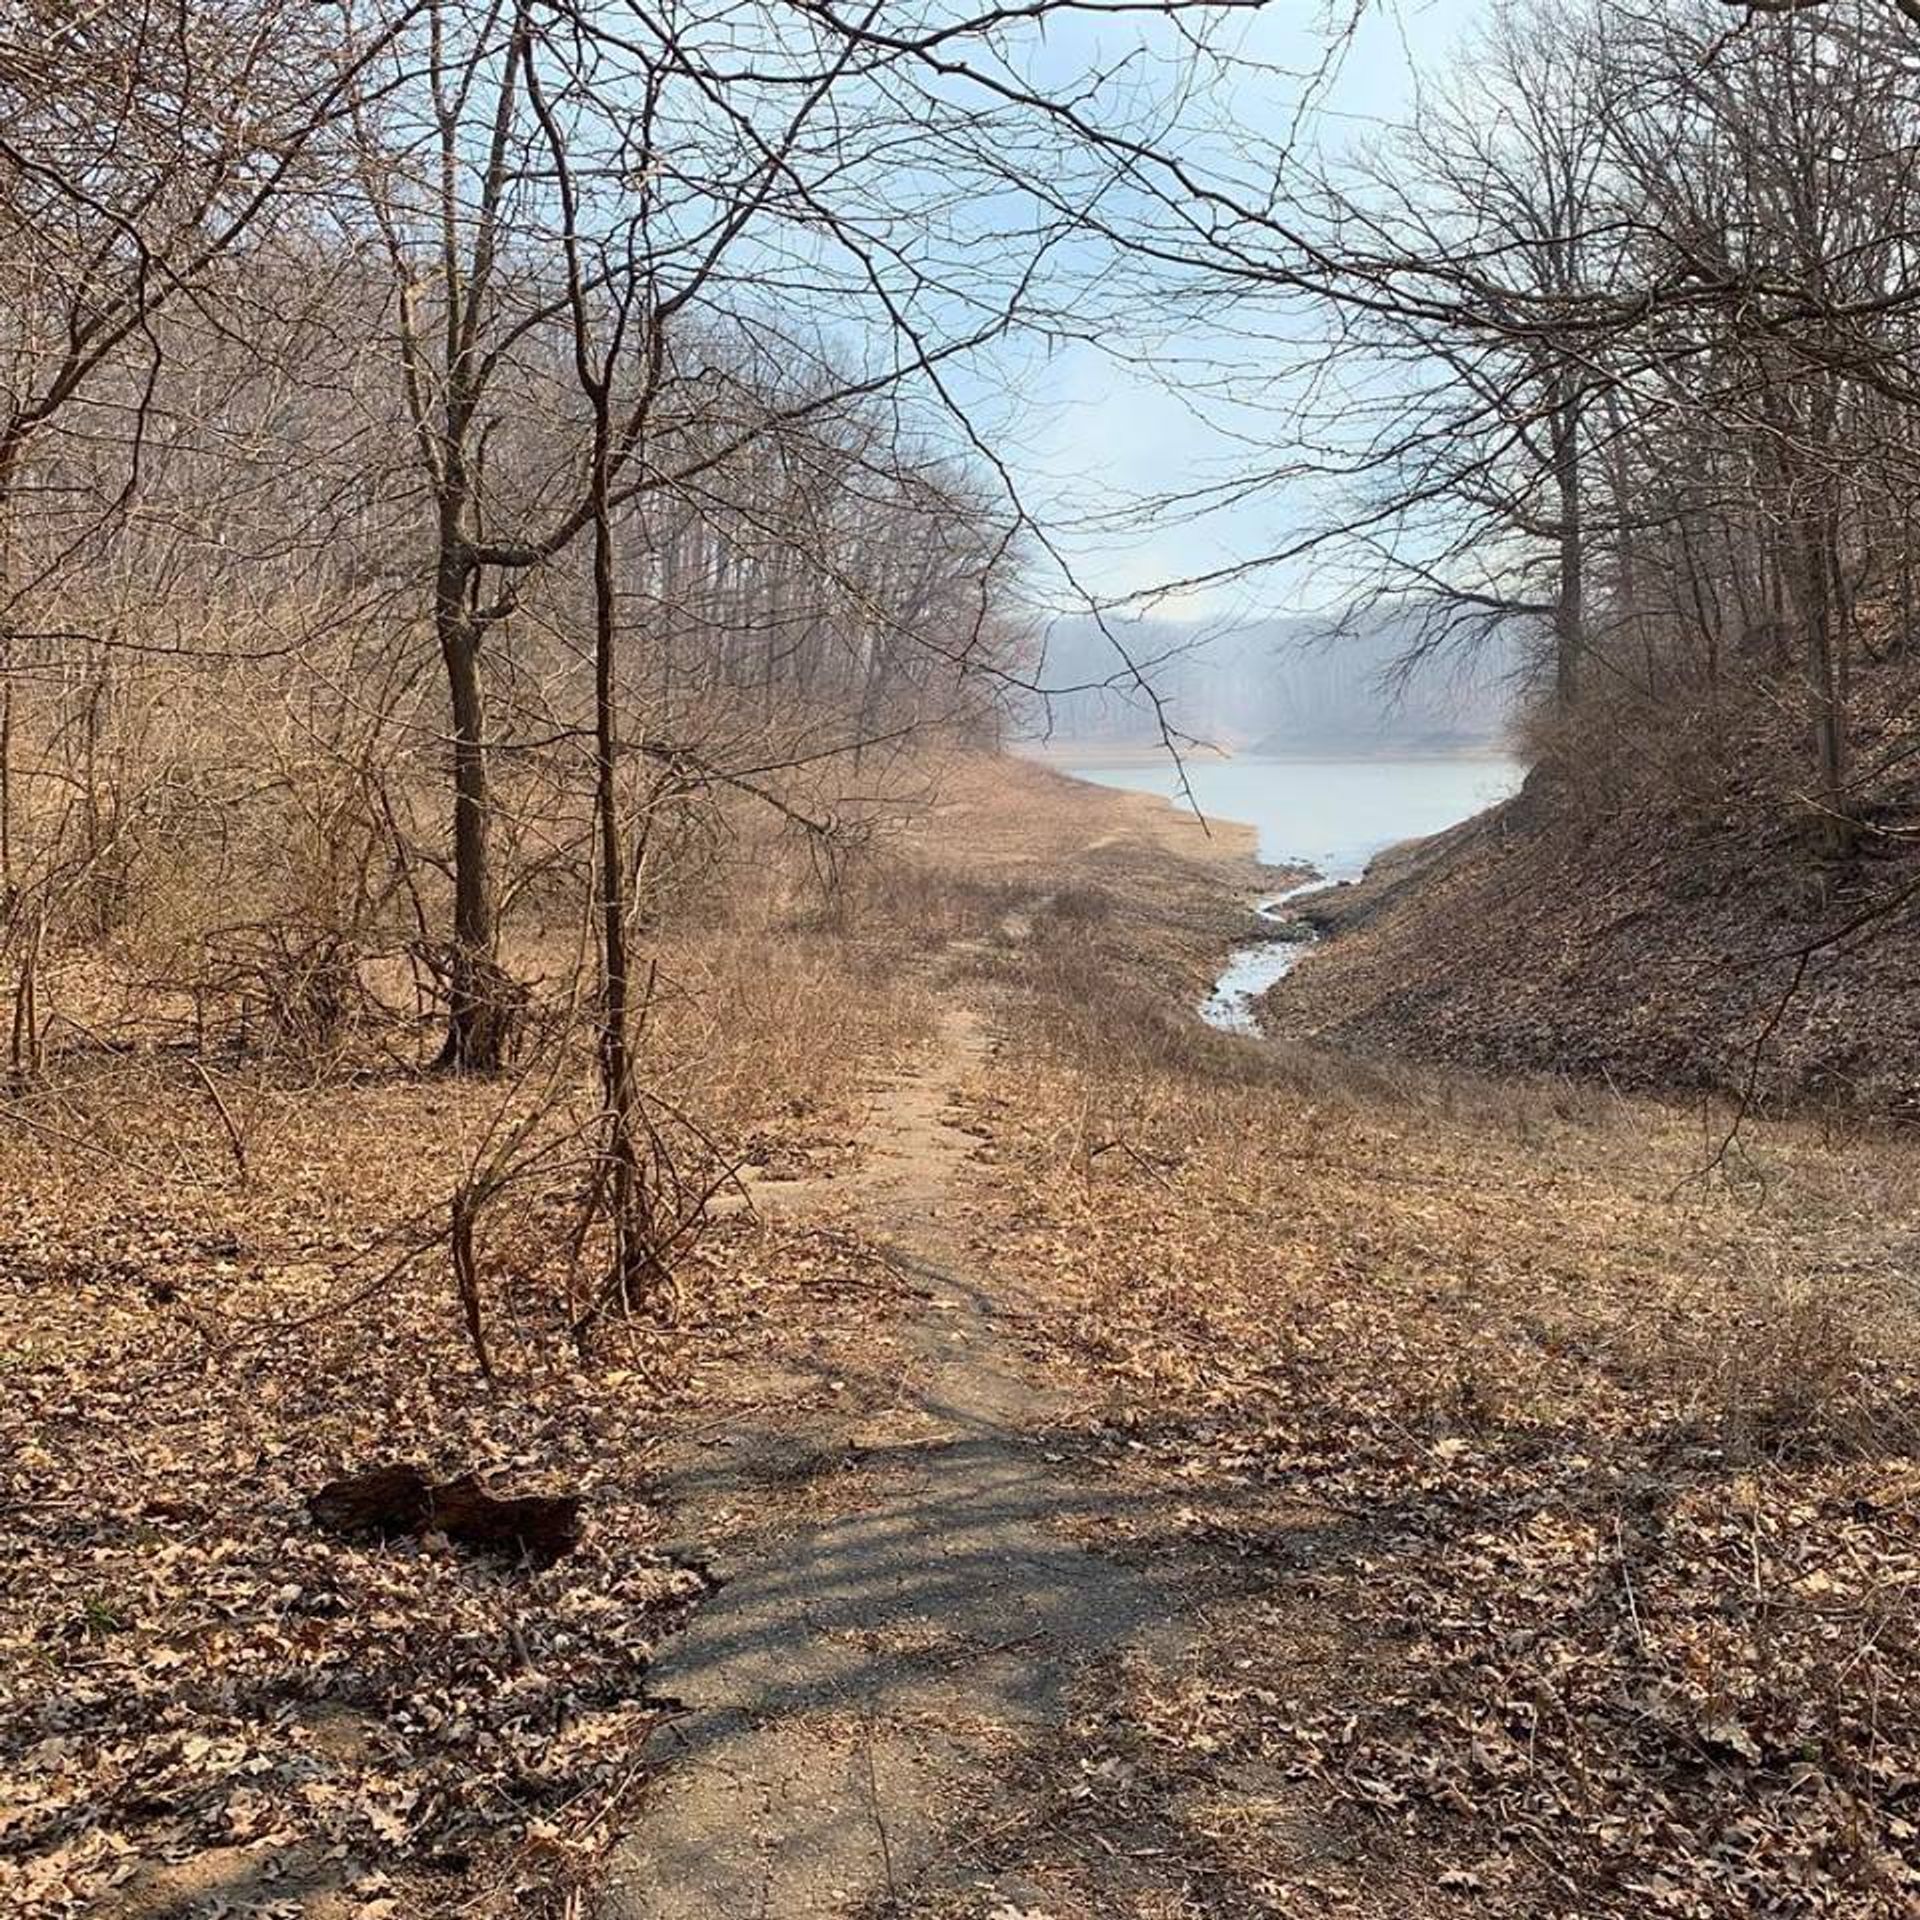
<point>380,1505</point>
<point>387,1502</point>
<point>545,1526</point>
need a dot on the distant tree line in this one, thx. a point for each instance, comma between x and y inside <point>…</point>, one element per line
<point>440,440</point>
<point>1609,348</point>
<point>1290,684</point>
<point>446,444</point>
<point>1645,281</point>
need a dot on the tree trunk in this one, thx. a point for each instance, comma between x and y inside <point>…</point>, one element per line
<point>1569,606</point>
<point>9,467</point>
<point>1823,678</point>
<point>479,1008</point>
<point>635,1271</point>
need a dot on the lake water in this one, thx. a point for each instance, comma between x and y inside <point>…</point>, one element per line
<point>1332,815</point>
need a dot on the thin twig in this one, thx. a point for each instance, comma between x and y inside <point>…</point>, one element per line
<point>234,1139</point>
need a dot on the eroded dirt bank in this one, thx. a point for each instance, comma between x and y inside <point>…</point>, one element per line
<point>1659,940</point>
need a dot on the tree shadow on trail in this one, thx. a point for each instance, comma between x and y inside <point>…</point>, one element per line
<point>921,1692</point>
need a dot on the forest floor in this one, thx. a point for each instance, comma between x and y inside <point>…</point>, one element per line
<point>1105,1468</point>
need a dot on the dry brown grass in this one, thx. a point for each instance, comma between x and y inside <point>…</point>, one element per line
<point>1547,1508</point>
<point>1599,1467</point>
<point>226,1280</point>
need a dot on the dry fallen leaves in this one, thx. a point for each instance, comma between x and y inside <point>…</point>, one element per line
<point>188,1665</point>
<point>1607,1551</point>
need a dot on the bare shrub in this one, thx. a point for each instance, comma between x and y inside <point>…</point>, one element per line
<point>1790,1373</point>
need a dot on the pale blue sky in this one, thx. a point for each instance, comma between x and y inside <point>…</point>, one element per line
<point>1084,432</point>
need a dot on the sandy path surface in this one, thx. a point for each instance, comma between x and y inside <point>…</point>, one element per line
<point>852,1696</point>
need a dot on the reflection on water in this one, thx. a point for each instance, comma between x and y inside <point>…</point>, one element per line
<point>1331,815</point>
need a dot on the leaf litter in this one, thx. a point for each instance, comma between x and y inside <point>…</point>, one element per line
<point>190,1669</point>
<point>1599,1500</point>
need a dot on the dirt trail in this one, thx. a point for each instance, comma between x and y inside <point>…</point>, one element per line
<point>856,1688</point>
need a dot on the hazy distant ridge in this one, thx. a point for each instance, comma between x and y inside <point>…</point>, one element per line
<point>1280,685</point>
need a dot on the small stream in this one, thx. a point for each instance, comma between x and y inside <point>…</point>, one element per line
<point>1252,969</point>
<point>1330,815</point>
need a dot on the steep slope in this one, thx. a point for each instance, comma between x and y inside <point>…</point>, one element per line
<point>1662,939</point>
